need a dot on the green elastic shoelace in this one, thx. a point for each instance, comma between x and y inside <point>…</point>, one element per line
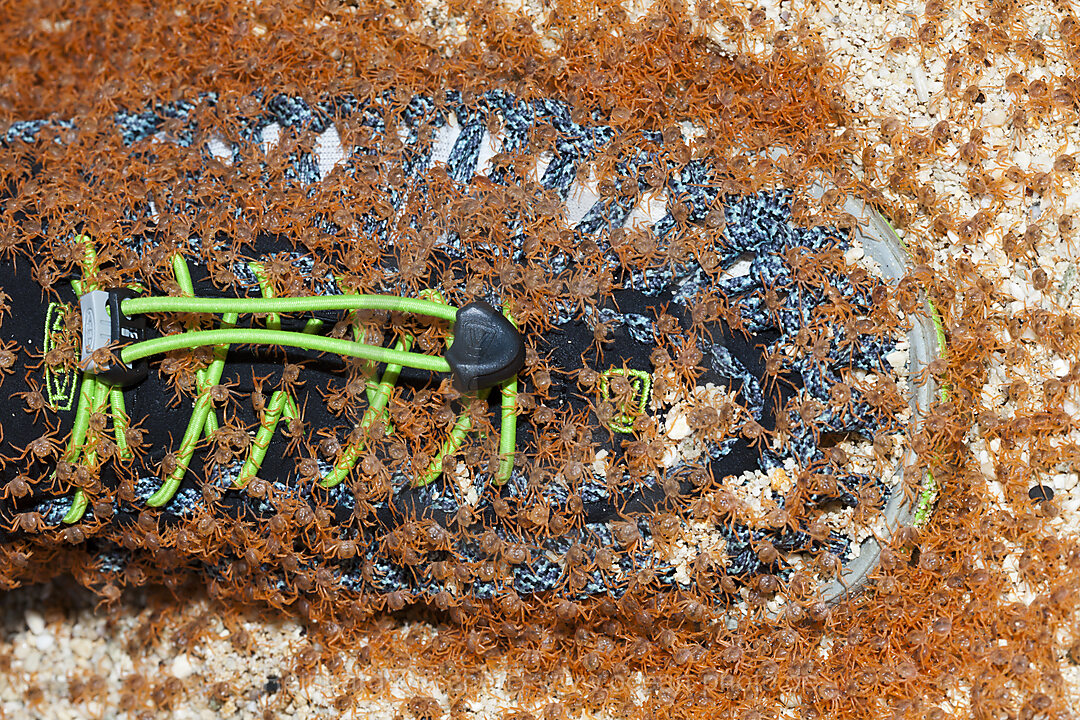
<point>98,396</point>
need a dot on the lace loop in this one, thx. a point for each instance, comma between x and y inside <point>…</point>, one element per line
<point>97,393</point>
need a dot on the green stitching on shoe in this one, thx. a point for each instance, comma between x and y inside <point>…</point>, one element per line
<point>281,405</point>
<point>463,424</point>
<point>118,411</point>
<point>641,387</point>
<point>371,372</point>
<point>928,496</point>
<point>452,444</point>
<point>258,336</point>
<point>507,431</point>
<point>376,407</point>
<point>508,424</point>
<point>183,279</point>
<point>196,423</point>
<point>267,428</point>
<point>311,303</point>
<point>59,381</point>
<point>92,398</point>
<point>87,388</point>
<point>95,393</point>
<point>273,322</point>
<point>397,357</point>
<point>436,465</point>
<point>101,399</point>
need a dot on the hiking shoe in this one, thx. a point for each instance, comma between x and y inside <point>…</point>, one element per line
<point>626,380</point>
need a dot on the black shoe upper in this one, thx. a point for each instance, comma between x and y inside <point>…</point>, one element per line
<point>604,454</point>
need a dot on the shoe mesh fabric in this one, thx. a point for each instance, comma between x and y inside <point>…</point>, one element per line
<point>740,357</point>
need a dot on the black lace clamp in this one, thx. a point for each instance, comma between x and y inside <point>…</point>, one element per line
<point>487,348</point>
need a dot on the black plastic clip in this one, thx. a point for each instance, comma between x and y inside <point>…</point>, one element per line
<point>487,348</point>
<point>104,325</point>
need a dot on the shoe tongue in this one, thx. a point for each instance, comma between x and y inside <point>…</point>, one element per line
<point>34,323</point>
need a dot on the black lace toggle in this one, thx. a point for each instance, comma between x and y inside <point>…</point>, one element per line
<point>487,348</point>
